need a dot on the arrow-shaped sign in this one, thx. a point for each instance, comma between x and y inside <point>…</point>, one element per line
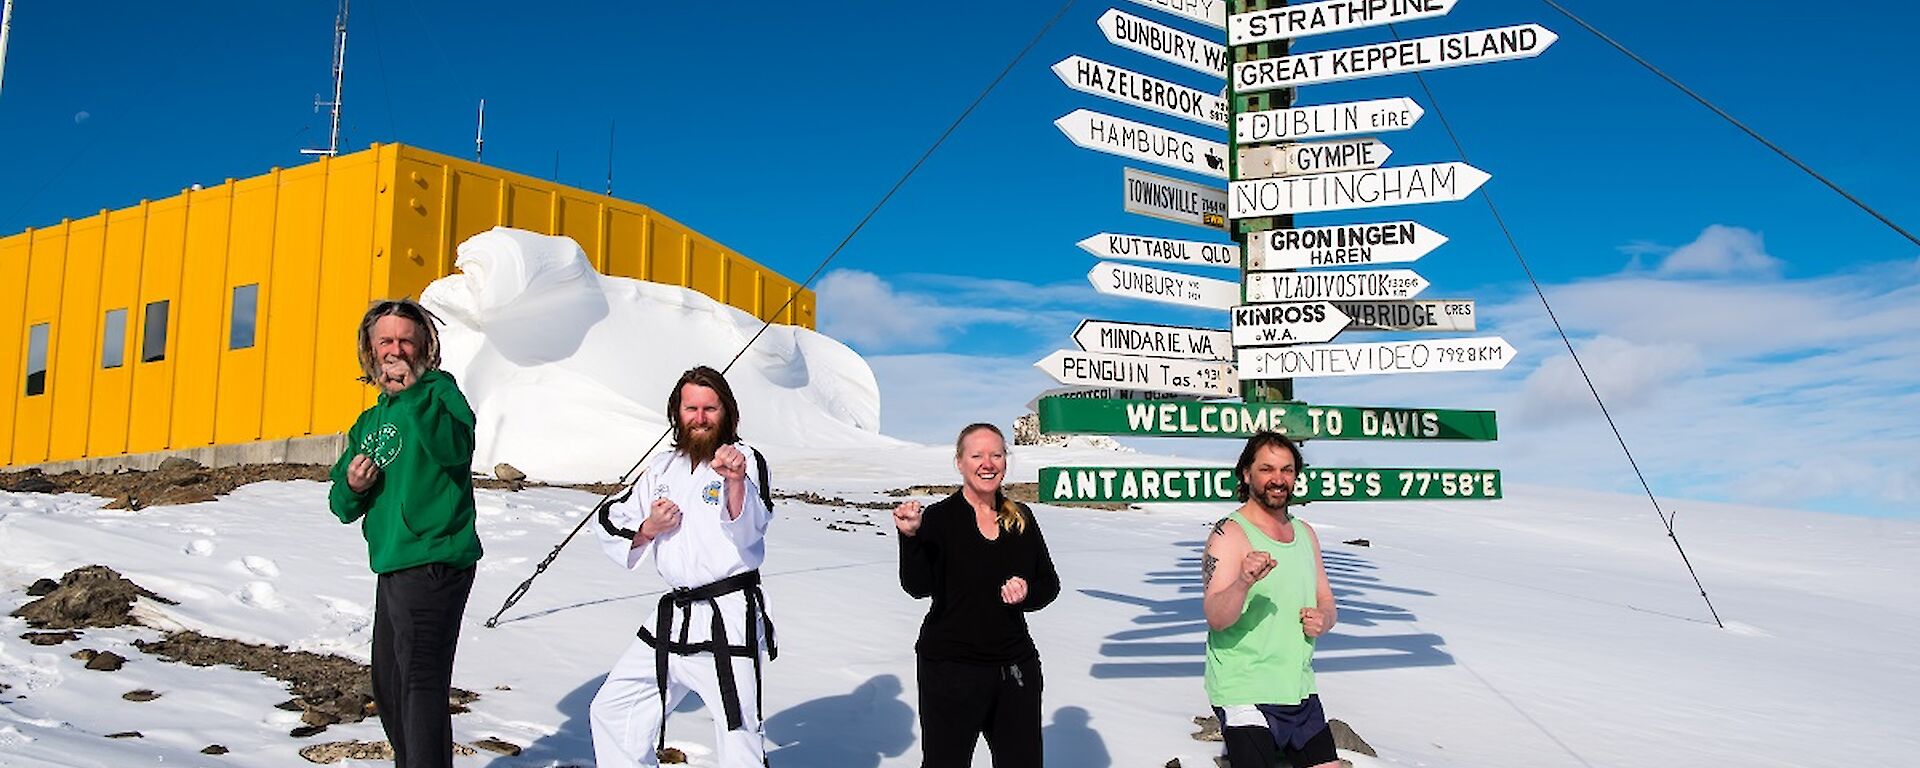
<point>1153,340</point>
<point>1124,85</point>
<point>1194,377</point>
<point>1419,55</point>
<point>1441,315</point>
<point>1349,190</point>
<point>1312,157</point>
<point>1163,42</point>
<point>1163,286</point>
<point>1481,353</point>
<point>1389,242</point>
<point>1078,393</point>
<point>1164,197</point>
<point>1212,13</point>
<point>1126,138</point>
<point>1328,16</point>
<point>1263,287</point>
<point>1327,120</point>
<point>1107,245</point>
<point>1306,322</point>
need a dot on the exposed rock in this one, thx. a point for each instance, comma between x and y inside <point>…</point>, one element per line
<point>213,749</point>
<point>335,751</point>
<point>318,718</point>
<point>179,464</point>
<point>126,735</point>
<point>41,587</point>
<point>140,694</point>
<point>1358,542</point>
<point>1026,431</point>
<point>1174,763</point>
<point>175,483</point>
<point>809,497</point>
<point>84,654</point>
<point>30,481</point>
<point>332,686</point>
<point>106,661</point>
<point>673,755</point>
<point>1209,729</point>
<point>1345,738</point>
<point>50,638</point>
<point>496,745</point>
<point>90,596</point>
<point>303,731</point>
<point>508,472</point>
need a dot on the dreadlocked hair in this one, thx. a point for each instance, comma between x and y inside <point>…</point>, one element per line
<point>422,318</point>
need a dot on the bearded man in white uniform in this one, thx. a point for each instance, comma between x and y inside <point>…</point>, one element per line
<point>701,511</point>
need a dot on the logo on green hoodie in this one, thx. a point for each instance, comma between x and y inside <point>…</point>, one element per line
<point>381,445</point>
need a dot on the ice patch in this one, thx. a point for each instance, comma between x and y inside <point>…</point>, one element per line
<point>260,594</point>
<point>199,548</point>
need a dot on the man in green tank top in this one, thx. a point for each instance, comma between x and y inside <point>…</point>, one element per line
<point>1266,601</point>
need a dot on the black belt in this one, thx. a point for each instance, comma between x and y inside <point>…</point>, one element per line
<point>716,643</point>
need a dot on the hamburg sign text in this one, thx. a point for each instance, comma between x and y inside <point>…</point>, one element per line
<point>1139,141</point>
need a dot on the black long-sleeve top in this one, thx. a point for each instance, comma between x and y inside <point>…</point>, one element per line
<point>949,560</point>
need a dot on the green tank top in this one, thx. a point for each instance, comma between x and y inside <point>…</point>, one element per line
<point>1266,656</point>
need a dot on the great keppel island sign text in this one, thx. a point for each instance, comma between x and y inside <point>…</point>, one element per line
<point>1155,485</point>
<point>1419,55</point>
<point>1301,421</point>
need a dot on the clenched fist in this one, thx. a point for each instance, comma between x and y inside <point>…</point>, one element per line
<point>362,473</point>
<point>906,518</point>
<point>1255,566</point>
<point>730,463</point>
<point>1313,621</point>
<point>661,520</point>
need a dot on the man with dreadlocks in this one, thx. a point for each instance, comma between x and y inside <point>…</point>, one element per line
<point>702,511</point>
<point>405,474</point>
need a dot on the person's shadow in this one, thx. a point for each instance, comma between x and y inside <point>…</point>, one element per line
<point>853,730</point>
<point>1069,743</point>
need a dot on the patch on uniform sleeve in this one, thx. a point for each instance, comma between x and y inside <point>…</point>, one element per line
<point>711,493</point>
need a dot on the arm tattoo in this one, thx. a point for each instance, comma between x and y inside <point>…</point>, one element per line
<point>1207,560</point>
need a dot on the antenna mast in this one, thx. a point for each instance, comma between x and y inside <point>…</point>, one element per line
<point>6,28</point>
<point>480,132</point>
<point>339,78</point>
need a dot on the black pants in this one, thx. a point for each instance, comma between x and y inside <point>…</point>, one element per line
<point>416,623</point>
<point>961,702</point>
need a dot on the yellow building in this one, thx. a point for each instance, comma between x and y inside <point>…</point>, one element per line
<point>218,324</point>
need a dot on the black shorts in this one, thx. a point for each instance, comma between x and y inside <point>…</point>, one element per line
<point>1297,732</point>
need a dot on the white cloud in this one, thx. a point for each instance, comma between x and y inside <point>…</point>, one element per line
<point>927,398</point>
<point>1721,250</point>
<point>864,310</point>
<point>1626,374</point>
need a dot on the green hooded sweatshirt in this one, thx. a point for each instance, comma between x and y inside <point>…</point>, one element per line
<point>420,508</point>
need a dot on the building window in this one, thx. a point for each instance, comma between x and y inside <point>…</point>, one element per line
<point>153,344</point>
<point>113,347</point>
<point>245,310</point>
<point>37,360</point>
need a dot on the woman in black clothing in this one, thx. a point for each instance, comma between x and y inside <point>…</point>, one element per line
<point>982,559</point>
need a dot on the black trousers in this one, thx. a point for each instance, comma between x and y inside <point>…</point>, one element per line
<point>961,702</point>
<point>416,623</point>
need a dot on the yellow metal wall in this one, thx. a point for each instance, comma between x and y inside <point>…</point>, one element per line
<point>321,242</point>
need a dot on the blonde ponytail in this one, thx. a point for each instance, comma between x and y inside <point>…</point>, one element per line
<point>1010,517</point>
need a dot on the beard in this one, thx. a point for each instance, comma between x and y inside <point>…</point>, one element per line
<point>1275,503</point>
<point>700,444</point>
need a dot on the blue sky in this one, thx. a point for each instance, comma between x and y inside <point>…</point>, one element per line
<point>1754,333</point>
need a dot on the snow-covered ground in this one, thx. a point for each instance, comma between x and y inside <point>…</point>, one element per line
<point>1553,628</point>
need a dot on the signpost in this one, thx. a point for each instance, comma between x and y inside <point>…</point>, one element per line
<point>1350,190</point>
<point>1421,315</point>
<point>1163,286</point>
<point>1107,245</point>
<point>1152,340</point>
<point>1265,287</point>
<point>1139,141</point>
<point>1150,194</point>
<point>1486,353</point>
<point>1388,242</point>
<point>1088,76</point>
<point>1192,377</point>
<point>1326,121</point>
<point>1312,157</point>
<point>1418,55</point>
<point>1300,421</point>
<point>1159,485</point>
<point>1099,393</point>
<point>1210,12</point>
<point>1306,322</point>
<point>1329,16</point>
<point>1163,42</point>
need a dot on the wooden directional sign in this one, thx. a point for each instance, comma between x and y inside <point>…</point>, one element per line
<point>1263,287</point>
<point>1150,194</point>
<point>1099,393</point>
<point>1328,16</point>
<point>1160,485</point>
<point>1107,245</point>
<point>1302,322</point>
<point>1418,55</point>
<point>1326,121</point>
<point>1139,141</point>
<point>1300,421</point>
<point>1088,76</point>
<point>1210,12</point>
<point>1163,286</point>
<point>1387,242</point>
<point>1403,185</point>
<point>1312,157</point>
<point>1481,353</point>
<point>1418,315</point>
<point>1163,42</point>
<point>1152,340</point>
<point>1192,377</point>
